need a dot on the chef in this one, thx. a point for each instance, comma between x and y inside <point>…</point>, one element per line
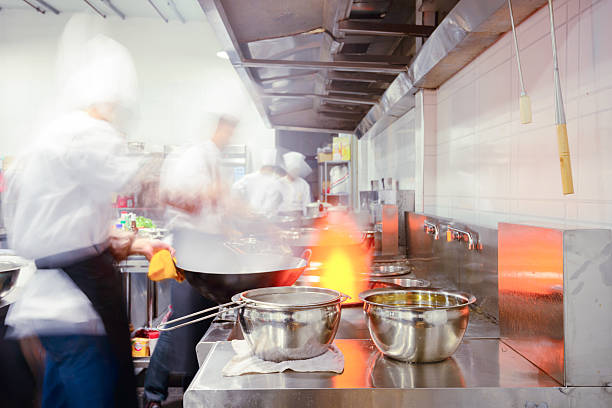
<point>196,198</point>
<point>57,211</point>
<point>261,190</point>
<point>296,191</point>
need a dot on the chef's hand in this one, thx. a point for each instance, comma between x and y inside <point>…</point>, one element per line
<point>147,247</point>
<point>120,243</point>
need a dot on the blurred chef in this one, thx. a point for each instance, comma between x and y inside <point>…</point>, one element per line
<point>196,198</point>
<point>261,190</point>
<point>58,212</point>
<point>296,191</point>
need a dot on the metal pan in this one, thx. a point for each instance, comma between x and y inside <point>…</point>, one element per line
<point>217,272</point>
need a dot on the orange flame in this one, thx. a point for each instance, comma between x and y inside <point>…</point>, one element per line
<point>344,260</point>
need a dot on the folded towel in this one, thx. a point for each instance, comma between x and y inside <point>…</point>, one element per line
<point>246,362</point>
<point>162,267</point>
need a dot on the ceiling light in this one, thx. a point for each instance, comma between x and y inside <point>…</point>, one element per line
<point>222,55</point>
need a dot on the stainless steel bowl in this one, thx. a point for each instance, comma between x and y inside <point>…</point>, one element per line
<point>390,269</point>
<point>416,325</point>
<point>9,272</point>
<point>290,322</point>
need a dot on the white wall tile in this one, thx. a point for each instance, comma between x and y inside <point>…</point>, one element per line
<point>494,97</point>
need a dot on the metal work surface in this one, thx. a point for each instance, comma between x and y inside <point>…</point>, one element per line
<point>480,373</point>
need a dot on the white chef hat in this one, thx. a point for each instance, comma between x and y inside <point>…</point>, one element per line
<point>268,157</point>
<point>95,70</point>
<point>296,165</point>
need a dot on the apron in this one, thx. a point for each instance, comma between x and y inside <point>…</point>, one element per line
<point>93,271</point>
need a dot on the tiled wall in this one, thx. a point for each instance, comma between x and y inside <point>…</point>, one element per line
<point>391,153</point>
<point>482,166</point>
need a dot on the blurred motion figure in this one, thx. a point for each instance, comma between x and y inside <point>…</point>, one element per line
<point>57,210</point>
<point>196,198</point>
<point>296,191</point>
<point>261,190</point>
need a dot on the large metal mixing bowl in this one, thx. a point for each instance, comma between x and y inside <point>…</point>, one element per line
<point>9,272</point>
<point>289,323</point>
<point>416,325</point>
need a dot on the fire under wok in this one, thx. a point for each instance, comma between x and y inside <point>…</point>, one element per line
<point>218,272</point>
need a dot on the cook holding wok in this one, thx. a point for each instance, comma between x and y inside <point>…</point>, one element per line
<point>196,199</point>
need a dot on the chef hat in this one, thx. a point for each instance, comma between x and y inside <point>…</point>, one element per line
<point>296,165</point>
<point>268,157</point>
<point>95,70</point>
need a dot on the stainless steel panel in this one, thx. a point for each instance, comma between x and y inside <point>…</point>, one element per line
<point>482,373</point>
<point>587,293</point>
<point>531,294</point>
<point>390,226</point>
<point>451,265</point>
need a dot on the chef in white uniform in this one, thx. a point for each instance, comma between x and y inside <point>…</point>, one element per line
<point>196,198</point>
<point>296,191</point>
<point>57,211</point>
<point>261,190</point>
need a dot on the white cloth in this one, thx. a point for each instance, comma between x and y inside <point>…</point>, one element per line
<point>186,174</point>
<point>58,198</point>
<point>296,195</point>
<point>245,362</point>
<point>261,191</point>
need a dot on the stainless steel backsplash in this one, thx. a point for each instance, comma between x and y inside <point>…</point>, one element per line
<point>451,265</point>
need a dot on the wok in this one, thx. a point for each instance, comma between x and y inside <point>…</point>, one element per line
<point>302,239</point>
<point>218,272</point>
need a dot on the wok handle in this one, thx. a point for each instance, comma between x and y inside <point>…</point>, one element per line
<point>344,297</point>
<point>164,326</point>
<point>306,255</point>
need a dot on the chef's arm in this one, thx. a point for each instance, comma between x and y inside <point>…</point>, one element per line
<point>123,244</point>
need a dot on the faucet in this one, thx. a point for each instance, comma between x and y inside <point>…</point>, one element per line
<point>431,228</point>
<point>460,234</point>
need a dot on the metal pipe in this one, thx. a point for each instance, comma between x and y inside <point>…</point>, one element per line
<point>41,11</point>
<point>48,6</point>
<point>114,8</point>
<point>176,11</point>
<point>95,9</point>
<point>157,10</point>
<point>337,65</point>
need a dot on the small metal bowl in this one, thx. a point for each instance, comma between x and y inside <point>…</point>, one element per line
<point>416,325</point>
<point>9,272</point>
<point>390,269</point>
<point>289,322</point>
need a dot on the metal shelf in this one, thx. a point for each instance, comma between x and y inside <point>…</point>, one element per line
<point>324,179</point>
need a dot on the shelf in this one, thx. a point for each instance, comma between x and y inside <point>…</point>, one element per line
<point>334,162</point>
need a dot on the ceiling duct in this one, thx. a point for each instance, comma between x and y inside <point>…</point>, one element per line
<point>351,65</point>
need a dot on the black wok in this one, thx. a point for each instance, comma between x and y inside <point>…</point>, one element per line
<point>218,273</point>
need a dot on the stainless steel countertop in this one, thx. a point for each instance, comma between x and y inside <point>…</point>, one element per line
<point>477,364</point>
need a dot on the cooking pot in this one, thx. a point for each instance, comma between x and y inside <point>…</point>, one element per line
<point>282,323</point>
<point>9,273</point>
<point>416,325</point>
<point>301,239</point>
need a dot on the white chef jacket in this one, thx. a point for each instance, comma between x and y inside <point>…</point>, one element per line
<point>58,198</point>
<point>296,195</point>
<point>185,174</point>
<point>261,191</point>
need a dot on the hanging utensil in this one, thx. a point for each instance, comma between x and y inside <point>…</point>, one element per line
<point>524,100</point>
<point>564,157</point>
